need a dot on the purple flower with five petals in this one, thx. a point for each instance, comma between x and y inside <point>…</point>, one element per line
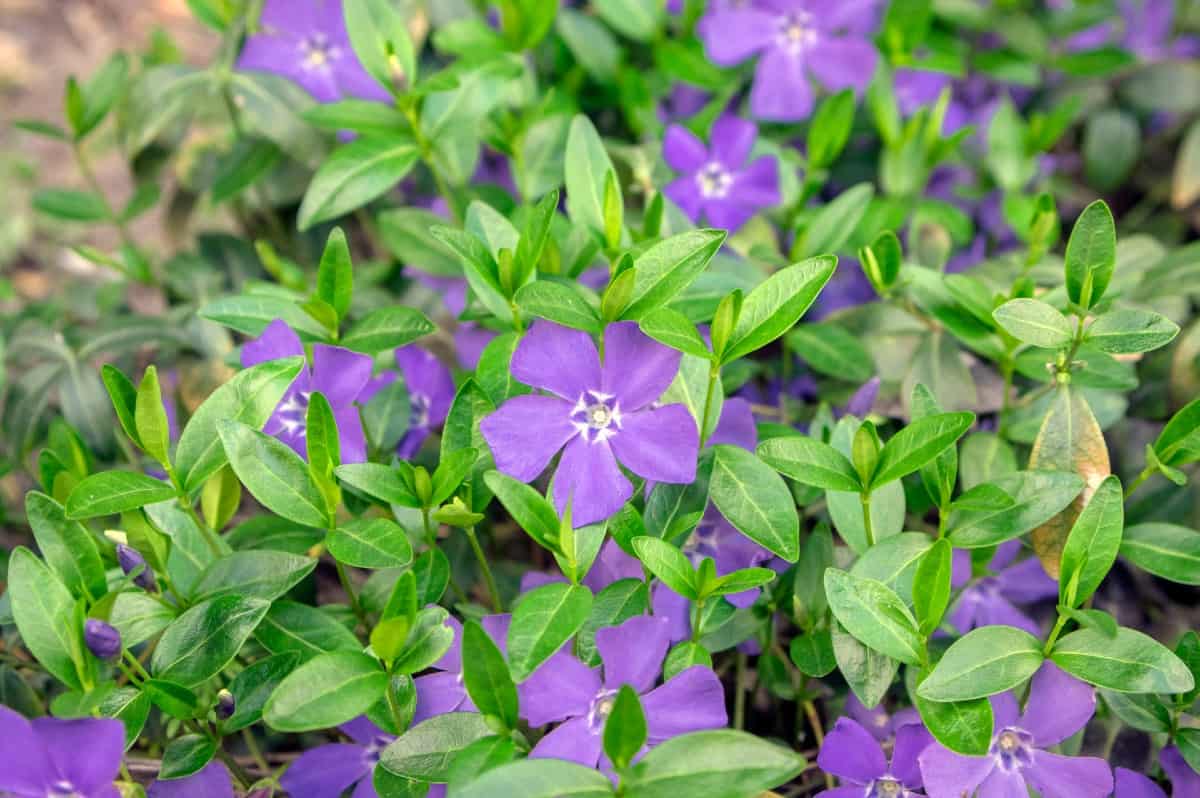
<point>1059,705</point>
<point>53,756</point>
<point>1185,782</point>
<point>211,781</point>
<point>430,393</point>
<point>565,689</point>
<point>329,770</point>
<point>715,182</point>
<point>597,415</point>
<point>443,690</point>
<point>337,373</point>
<point>851,753</point>
<point>796,39</point>
<point>306,41</point>
<point>991,600</point>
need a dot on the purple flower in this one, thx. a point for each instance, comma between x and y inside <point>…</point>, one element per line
<point>851,753</point>
<point>990,600</point>
<point>131,559</point>
<point>102,639</point>
<point>1185,782</point>
<point>1149,31</point>
<point>443,690</point>
<point>211,781</point>
<point>306,41</point>
<point>470,339</point>
<point>1058,706</point>
<point>611,565</point>
<point>877,721</point>
<point>430,392</point>
<point>51,756</point>
<point>715,182</point>
<point>329,770</point>
<point>596,414</point>
<point>824,39</point>
<point>337,373</point>
<point>921,88</point>
<point>564,689</point>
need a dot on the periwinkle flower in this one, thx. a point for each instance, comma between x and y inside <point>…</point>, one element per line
<point>715,182</point>
<point>306,41</point>
<point>597,415</point>
<point>992,599</point>
<point>211,781</point>
<point>855,756</point>
<point>1185,782</point>
<point>102,639</point>
<point>1058,706</point>
<point>430,393</point>
<point>45,757</point>
<point>876,720</point>
<point>130,559</point>
<point>329,770</point>
<point>337,373</point>
<point>443,690</point>
<point>796,40</point>
<point>565,689</point>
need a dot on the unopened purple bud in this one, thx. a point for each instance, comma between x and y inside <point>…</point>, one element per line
<point>226,704</point>
<point>102,639</point>
<point>130,560</point>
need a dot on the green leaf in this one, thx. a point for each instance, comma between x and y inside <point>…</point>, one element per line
<point>173,699</point>
<point>406,234</point>
<point>428,640</point>
<point>370,543</point>
<point>253,686</point>
<point>379,36</point>
<point>204,639</point>
<point>1091,548</point>
<point>671,328</point>
<point>938,475</point>
<point>1140,711</point>
<point>1099,620</point>
<point>127,704</point>
<point>335,276</point>
<point>875,615</point>
<point>810,462</point>
<point>250,397</point>
<point>1166,550</point>
<point>251,313</point>
<point>919,443</point>
<point>44,612</point>
<point>1127,331</point>
<point>615,604</point>
<point>138,617</point>
<point>625,729</point>
<point>833,224</point>
<point>868,672</point>
<point>111,492</point>
<point>150,417</point>
<point>1034,322</point>
<point>529,509</point>
<point>378,481</point>
<point>545,618</point>
<point>322,448</point>
<point>832,351</point>
<point>70,205</point>
<point>931,586</point>
<point>1130,663</point>
<point>186,755</point>
<point>486,676</point>
<point>1037,497</point>
<point>638,19</point>
<point>1188,743</point>
<point>253,574</point>
<point>668,563</point>
<point>587,168</point>
<point>274,474</point>
<point>480,268</point>
<point>983,662</point>
<point>668,267</point>
<point>68,547</point>
<point>755,499</point>
<point>427,750</point>
<point>1179,441</point>
<point>350,683</point>
<point>812,654</point>
<point>728,763</point>
<point>962,726</point>
<point>539,778</point>
<point>560,302</point>
<point>830,128</point>
<point>124,398</point>
<point>1091,254</point>
<point>293,628</point>
<point>777,303</point>
<point>354,174</point>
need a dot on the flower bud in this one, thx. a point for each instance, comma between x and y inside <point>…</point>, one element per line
<point>226,704</point>
<point>102,639</point>
<point>130,560</point>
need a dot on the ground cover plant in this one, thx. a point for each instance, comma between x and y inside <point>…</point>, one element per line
<point>638,398</point>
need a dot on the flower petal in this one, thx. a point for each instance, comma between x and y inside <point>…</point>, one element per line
<point>326,771</point>
<point>557,359</point>
<point>950,775</point>
<point>562,687</point>
<point>339,373</point>
<point>1004,784</point>
<point>277,340</point>
<point>589,478</point>
<point>911,740</point>
<point>633,652</point>
<point>637,369</point>
<point>660,444</point>
<point>737,426</point>
<point>1185,782</point>
<point>103,740</point>
<point>1026,582</point>
<point>691,700</point>
<point>731,37</point>
<point>1059,705</point>
<point>572,741</point>
<point>732,140</point>
<point>352,441</point>
<point>1058,776</point>
<point>781,90</point>
<point>758,184</point>
<point>212,781</point>
<point>668,604</point>
<point>437,694</point>
<point>1134,785</point>
<point>426,375</point>
<point>850,752</point>
<point>27,766</point>
<point>684,192</point>
<point>526,432</point>
<point>727,214</point>
<point>682,150</point>
<point>845,62</point>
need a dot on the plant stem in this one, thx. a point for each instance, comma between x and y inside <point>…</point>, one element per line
<point>1058,626</point>
<point>866,508</point>
<point>255,751</point>
<point>714,372</point>
<point>1147,472</point>
<point>483,566</point>
<point>739,693</point>
<point>347,586</point>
